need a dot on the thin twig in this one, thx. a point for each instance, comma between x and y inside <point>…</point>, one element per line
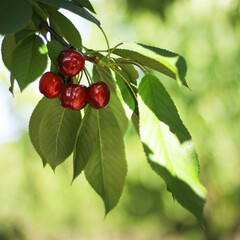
<point>108,46</point>
<point>87,75</point>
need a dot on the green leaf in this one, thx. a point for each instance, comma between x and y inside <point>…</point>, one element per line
<point>34,127</point>
<point>8,45</point>
<point>161,60</point>
<point>54,49</point>
<point>23,34</point>
<point>27,61</point>
<point>14,15</point>
<point>86,136</point>
<point>135,121</point>
<point>72,7</point>
<point>39,11</point>
<point>86,4</point>
<point>129,70</point>
<point>64,27</point>
<point>160,103</point>
<point>105,75</point>
<point>106,168</point>
<point>53,131</point>
<point>174,161</point>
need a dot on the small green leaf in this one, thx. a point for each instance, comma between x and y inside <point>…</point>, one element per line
<point>105,75</point>
<point>106,168</point>
<point>174,161</point>
<point>14,15</point>
<point>27,62</point>
<point>86,4</point>
<point>8,45</point>
<point>64,27</point>
<point>53,131</point>
<point>160,103</point>
<point>161,60</point>
<point>72,7</point>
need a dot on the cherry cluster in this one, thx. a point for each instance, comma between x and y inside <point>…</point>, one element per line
<point>73,96</point>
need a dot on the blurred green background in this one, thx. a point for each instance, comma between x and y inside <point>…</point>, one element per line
<point>37,204</point>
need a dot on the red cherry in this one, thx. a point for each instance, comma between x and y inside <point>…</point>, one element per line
<point>73,96</point>
<point>50,85</point>
<point>70,62</point>
<point>98,95</point>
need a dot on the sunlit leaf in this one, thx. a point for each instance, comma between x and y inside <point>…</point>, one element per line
<point>86,4</point>
<point>160,103</point>
<point>176,162</point>
<point>164,61</point>
<point>71,6</point>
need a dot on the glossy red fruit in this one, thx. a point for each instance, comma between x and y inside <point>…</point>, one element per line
<point>98,95</point>
<point>50,85</point>
<point>70,62</point>
<point>73,96</point>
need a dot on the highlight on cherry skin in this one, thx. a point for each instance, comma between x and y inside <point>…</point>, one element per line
<point>98,95</point>
<point>50,85</point>
<point>70,62</point>
<point>73,96</point>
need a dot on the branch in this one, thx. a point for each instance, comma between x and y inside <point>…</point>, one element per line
<point>43,24</point>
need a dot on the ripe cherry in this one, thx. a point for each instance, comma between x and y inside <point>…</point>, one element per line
<point>70,62</point>
<point>73,96</point>
<point>98,95</point>
<point>50,85</point>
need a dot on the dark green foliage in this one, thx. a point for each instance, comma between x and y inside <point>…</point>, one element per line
<point>53,130</point>
<point>14,15</point>
<point>71,6</point>
<point>27,62</point>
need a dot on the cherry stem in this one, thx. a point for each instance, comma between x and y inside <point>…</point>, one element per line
<point>87,75</point>
<point>80,78</point>
<point>113,49</point>
<point>94,59</point>
<point>144,69</point>
<point>108,46</point>
<point>126,81</point>
<point>53,33</point>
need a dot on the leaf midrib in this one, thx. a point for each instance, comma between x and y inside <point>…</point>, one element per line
<point>101,154</point>
<point>164,141</point>
<point>57,137</point>
<point>30,59</point>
